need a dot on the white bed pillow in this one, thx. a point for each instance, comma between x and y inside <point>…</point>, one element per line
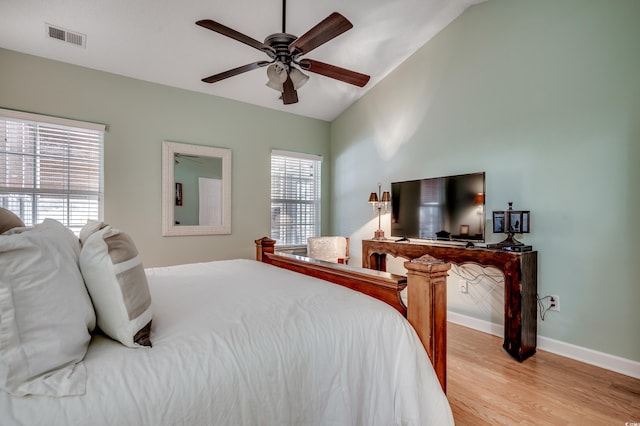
<point>117,283</point>
<point>45,312</point>
<point>89,228</point>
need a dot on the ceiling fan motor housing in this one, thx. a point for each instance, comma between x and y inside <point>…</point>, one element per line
<point>280,42</point>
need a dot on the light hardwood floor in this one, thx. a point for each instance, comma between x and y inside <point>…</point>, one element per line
<point>485,386</point>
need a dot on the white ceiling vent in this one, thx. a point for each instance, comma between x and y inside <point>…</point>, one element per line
<point>66,35</point>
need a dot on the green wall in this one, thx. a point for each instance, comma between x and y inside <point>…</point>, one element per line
<point>544,96</point>
<point>139,116</point>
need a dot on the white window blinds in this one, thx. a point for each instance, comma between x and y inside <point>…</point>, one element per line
<point>51,168</point>
<point>295,197</point>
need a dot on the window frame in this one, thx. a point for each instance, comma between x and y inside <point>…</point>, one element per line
<point>92,133</point>
<point>315,202</point>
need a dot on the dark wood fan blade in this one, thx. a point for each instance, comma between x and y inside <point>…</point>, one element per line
<point>221,29</point>
<point>329,28</point>
<point>235,71</point>
<point>289,94</point>
<point>337,73</point>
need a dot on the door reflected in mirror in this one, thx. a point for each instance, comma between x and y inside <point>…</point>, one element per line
<point>199,198</point>
<point>196,189</point>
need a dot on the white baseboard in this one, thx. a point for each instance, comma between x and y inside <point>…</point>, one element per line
<point>476,324</point>
<point>588,356</point>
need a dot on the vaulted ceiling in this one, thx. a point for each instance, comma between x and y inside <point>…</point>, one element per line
<point>158,41</point>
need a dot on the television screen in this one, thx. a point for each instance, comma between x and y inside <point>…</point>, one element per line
<point>443,208</point>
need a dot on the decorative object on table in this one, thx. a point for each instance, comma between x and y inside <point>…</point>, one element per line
<point>511,222</point>
<point>380,201</point>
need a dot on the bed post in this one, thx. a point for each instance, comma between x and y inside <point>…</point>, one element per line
<point>264,245</point>
<point>427,294</point>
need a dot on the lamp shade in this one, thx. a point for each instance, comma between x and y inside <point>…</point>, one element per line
<point>277,74</point>
<point>386,197</point>
<point>373,198</point>
<point>275,86</point>
<point>298,78</point>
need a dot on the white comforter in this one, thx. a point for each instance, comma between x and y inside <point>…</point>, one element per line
<point>240,342</point>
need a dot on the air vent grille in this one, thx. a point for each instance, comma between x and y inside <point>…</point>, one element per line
<point>56,33</point>
<point>67,36</point>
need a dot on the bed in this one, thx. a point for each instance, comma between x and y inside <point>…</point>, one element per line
<point>233,342</point>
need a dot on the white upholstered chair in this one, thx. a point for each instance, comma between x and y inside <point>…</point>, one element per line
<point>329,249</point>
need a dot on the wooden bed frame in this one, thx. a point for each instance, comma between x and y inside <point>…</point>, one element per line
<point>426,284</point>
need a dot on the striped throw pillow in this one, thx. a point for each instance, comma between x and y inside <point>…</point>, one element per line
<point>114,275</point>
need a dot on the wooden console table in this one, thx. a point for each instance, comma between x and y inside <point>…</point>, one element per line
<point>520,282</point>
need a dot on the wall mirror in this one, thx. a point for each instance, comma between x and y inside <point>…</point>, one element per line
<point>196,190</point>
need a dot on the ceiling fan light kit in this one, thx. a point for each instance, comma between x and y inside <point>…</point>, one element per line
<point>277,74</point>
<point>285,51</point>
<point>298,77</point>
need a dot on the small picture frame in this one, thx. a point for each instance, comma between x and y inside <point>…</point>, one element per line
<point>464,230</point>
<point>515,222</point>
<point>178,194</point>
<point>499,222</point>
<point>519,221</point>
<point>525,222</point>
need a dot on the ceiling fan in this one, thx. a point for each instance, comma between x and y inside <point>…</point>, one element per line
<point>285,51</point>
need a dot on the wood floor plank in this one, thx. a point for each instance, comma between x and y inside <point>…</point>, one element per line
<point>485,386</point>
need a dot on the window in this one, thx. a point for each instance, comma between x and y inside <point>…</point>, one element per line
<point>51,168</point>
<point>295,197</point>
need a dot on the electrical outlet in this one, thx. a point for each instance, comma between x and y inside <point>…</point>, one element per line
<point>554,303</point>
<point>464,287</point>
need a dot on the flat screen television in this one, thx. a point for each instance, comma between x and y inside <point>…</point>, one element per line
<point>442,208</point>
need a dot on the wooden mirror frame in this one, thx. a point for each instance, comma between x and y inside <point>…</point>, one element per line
<point>169,151</point>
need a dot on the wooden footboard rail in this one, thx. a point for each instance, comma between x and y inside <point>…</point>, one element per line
<point>427,291</point>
